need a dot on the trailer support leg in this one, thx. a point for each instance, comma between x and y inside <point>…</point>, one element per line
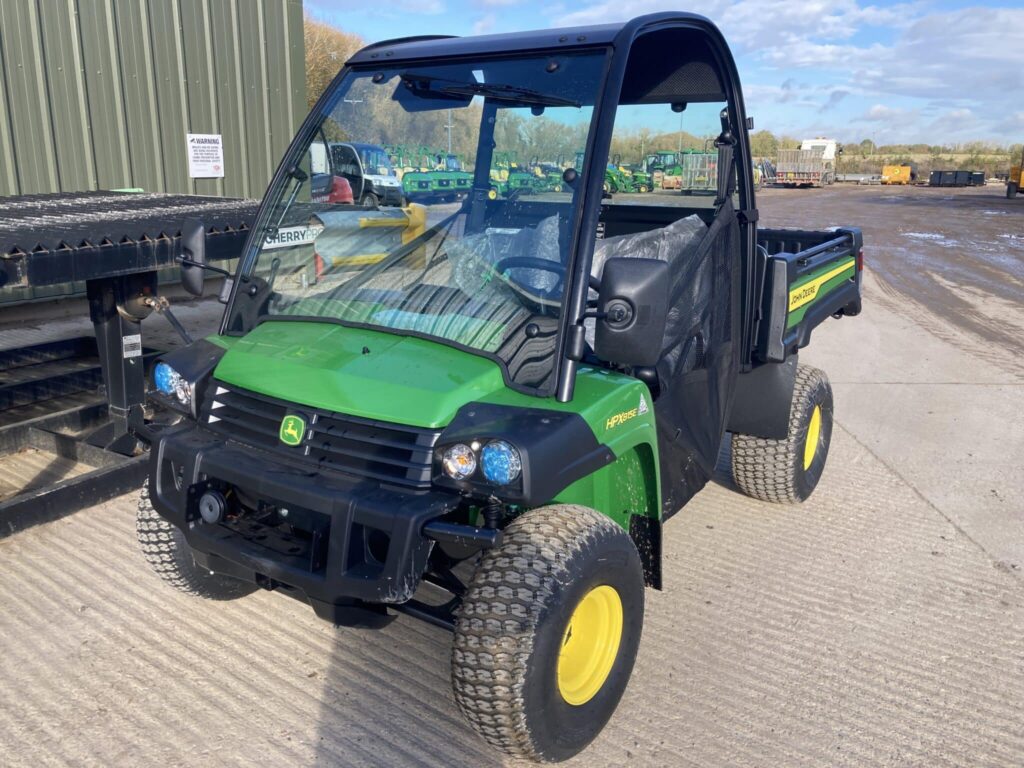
<point>117,307</point>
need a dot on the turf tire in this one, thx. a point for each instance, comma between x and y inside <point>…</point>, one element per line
<point>511,625</point>
<point>168,553</point>
<point>773,470</point>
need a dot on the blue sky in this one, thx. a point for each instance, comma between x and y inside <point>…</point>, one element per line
<point>936,71</point>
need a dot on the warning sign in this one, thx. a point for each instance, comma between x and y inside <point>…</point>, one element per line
<point>205,156</point>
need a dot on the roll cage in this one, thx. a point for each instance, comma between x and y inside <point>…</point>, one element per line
<point>624,82</point>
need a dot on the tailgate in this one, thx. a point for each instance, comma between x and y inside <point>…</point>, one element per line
<point>808,277</point>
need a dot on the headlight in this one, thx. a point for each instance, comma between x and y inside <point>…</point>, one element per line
<point>459,461</point>
<point>501,463</point>
<point>170,383</point>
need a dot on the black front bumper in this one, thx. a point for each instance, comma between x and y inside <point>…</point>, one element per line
<point>389,195</point>
<point>365,546</point>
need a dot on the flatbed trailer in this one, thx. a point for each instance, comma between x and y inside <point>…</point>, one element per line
<point>74,399</point>
<point>805,167</point>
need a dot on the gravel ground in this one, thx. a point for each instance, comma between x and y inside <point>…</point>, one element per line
<point>880,623</point>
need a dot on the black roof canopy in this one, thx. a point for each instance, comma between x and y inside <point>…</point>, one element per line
<point>567,38</point>
<point>695,75</point>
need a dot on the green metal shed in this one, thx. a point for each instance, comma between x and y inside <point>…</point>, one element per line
<point>101,94</point>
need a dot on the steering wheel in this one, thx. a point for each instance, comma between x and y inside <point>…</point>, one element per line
<point>546,265</point>
<point>533,262</point>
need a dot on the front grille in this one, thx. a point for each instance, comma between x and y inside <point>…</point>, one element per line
<point>382,451</point>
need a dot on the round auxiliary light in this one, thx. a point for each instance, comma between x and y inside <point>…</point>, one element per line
<point>183,392</point>
<point>500,462</point>
<point>459,461</point>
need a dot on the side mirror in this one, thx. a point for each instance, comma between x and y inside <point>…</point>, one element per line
<point>632,311</point>
<point>193,256</point>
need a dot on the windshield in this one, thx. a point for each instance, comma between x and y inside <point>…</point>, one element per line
<point>376,161</point>
<point>470,246</point>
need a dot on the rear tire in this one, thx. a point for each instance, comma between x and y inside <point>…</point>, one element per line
<point>1011,191</point>
<point>168,553</point>
<point>547,634</point>
<point>788,470</point>
<point>369,200</point>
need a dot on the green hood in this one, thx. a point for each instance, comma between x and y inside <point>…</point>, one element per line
<point>363,373</point>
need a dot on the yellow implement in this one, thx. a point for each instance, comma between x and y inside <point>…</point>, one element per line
<point>897,174</point>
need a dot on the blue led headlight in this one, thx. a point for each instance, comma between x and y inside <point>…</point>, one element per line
<point>171,384</point>
<point>164,378</point>
<point>500,462</point>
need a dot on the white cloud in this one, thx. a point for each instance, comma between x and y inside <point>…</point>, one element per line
<point>425,7</point>
<point>937,63</point>
<point>484,25</point>
<point>882,113</point>
<point>752,23</point>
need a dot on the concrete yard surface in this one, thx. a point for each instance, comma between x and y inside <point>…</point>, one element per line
<point>880,623</point>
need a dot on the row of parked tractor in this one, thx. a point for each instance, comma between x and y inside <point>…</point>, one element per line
<point>429,173</point>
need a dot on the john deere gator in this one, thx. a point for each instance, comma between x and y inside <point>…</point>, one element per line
<point>487,427</point>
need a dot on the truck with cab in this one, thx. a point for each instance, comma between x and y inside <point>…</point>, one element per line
<point>487,425</point>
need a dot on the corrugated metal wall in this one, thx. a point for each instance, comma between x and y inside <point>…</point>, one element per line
<point>99,94</point>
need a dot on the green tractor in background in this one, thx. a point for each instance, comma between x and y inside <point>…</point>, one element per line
<point>548,175</point>
<point>616,179</point>
<point>639,180</point>
<point>664,168</point>
<point>508,177</point>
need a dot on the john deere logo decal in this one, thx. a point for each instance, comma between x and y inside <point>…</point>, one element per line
<point>292,429</point>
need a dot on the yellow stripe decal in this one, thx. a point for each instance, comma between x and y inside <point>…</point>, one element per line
<point>358,261</point>
<point>808,292</point>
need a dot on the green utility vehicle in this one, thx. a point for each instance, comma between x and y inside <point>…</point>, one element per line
<point>508,178</point>
<point>634,177</point>
<point>614,180</point>
<point>432,175</point>
<point>482,417</point>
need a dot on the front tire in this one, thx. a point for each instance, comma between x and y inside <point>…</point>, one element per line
<point>1011,191</point>
<point>547,634</point>
<point>369,200</point>
<point>788,470</point>
<point>168,553</point>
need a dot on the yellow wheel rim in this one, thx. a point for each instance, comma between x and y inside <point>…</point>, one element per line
<point>813,433</point>
<point>589,645</point>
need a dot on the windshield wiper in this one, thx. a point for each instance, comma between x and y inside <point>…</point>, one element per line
<point>498,91</point>
<point>512,93</point>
